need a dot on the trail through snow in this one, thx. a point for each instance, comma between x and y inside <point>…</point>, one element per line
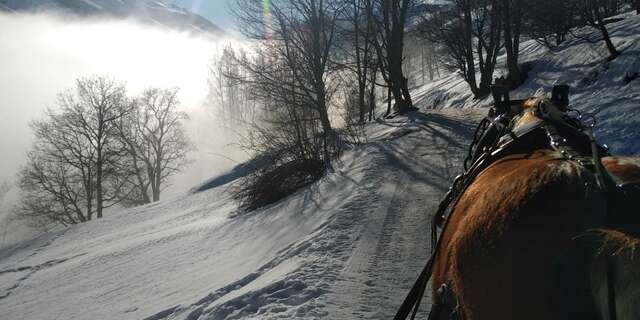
<point>417,165</point>
<point>349,247</point>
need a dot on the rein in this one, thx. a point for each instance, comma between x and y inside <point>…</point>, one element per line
<point>493,138</point>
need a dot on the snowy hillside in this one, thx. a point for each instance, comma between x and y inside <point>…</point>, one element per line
<point>156,12</point>
<point>597,85</point>
<point>348,247</point>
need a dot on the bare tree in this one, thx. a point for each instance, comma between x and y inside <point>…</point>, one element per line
<point>299,36</point>
<point>421,52</point>
<point>470,33</point>
<point>594,13</point>
<point>362,32</point>
<point>512,16</point>
<point>392,19</point>
<point>71,171</point>
<point>155,142</point>
<point>100,104</point>
<point>229,96</point>
<point>549,21</point>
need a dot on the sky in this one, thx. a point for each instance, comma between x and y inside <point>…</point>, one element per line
<point>217,11</point>
<point>42,55</point>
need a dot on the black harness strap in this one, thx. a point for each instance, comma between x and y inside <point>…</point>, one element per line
<point>492,140</point>
<point>607,186</point>
<point>411,303</point>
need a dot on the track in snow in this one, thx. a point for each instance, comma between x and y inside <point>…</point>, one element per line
<point>347,247</point>
<point>417,163</point>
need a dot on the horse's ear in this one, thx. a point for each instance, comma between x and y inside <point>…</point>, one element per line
<point>560,96</point>
<point>501,98</point>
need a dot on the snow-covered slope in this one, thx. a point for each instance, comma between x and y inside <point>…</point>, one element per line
<point>597,86</point>
<point>157,12</point>
<point>348,247</point>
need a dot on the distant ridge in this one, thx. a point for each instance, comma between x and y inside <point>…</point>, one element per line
<point>157,12</point>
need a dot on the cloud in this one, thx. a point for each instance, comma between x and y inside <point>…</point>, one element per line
<point>41,55</point>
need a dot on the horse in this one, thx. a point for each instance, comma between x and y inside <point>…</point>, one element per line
<point>535,235</point>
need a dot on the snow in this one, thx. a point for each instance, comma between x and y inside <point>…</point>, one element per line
<point>347,247</point>
<point>597,85</point>
<point>313,255</point>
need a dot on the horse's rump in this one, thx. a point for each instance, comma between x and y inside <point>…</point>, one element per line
<point>538,232</point>
<point>510,250</point>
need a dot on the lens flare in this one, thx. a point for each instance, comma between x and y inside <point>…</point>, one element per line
<point>267,20</point>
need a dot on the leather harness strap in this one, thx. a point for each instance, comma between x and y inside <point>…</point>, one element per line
<point>493,148</point>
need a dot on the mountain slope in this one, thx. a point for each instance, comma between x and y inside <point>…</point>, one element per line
<point>318,253</point>
<point>348,247</point>
<point>606,89</point>
<point>148,11</point>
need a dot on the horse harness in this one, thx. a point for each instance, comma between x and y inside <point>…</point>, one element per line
<point>495,138</point>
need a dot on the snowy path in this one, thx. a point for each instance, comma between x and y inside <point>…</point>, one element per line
<point>348,247</point>
<point>415,170</point>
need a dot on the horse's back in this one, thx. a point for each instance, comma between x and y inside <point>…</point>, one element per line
<point>510,250</point>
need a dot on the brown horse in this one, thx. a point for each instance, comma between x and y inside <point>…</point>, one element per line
<point>531,238</point>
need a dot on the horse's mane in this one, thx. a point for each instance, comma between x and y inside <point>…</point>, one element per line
<point>528,111</point>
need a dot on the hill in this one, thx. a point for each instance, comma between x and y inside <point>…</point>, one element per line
<point>347,247</point>
<point>148,11</point>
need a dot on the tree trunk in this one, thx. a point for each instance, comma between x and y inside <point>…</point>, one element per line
<point>398,81</point>
<point>361,93</point>
<point>613,52</point>
<point>596,20</point>
<point>156,190</point>
<point>361,74</point>
<point>388,102</point>
<point>430,61</point>
<point>422,63</point>
<point>328,135</point>
<point>99,159</point>
<point>470,70</point>
<point>395,22</point>
<point>511,43</point>
<point>372,94</point>
<point>99,195</point>
<point>89,195</point>
<point>406,94</point>
<point>486,78</point>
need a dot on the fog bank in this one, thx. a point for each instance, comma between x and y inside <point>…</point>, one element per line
<point>41,55</point>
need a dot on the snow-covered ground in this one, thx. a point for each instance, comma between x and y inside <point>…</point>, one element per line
<point>597,85</point>
<point>348,247</point>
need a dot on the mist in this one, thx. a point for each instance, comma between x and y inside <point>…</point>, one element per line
<point>42,55</point>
